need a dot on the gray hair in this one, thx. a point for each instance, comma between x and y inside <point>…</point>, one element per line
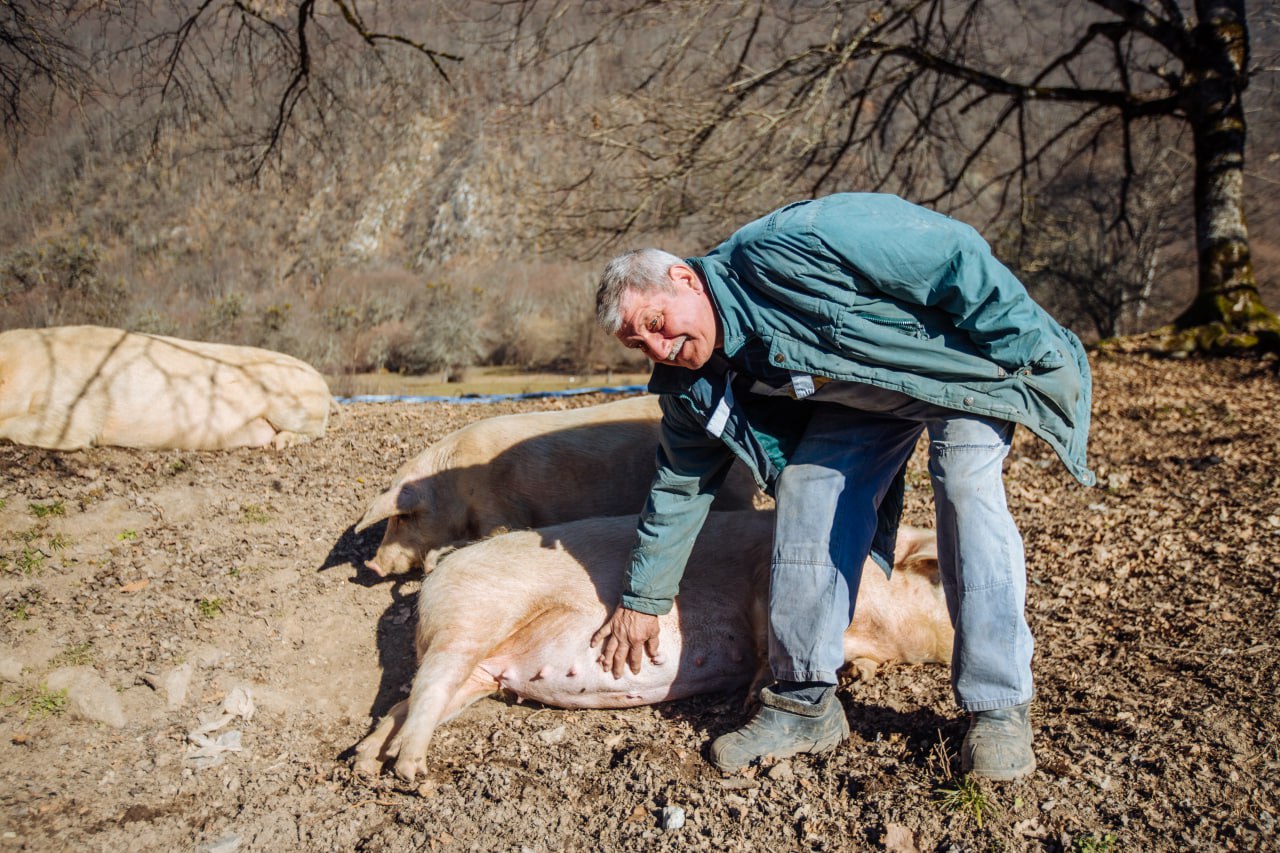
<point>640,270</point>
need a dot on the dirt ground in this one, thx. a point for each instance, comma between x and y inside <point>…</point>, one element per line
<point>189,649</point>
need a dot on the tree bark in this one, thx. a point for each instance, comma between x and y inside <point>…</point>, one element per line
<point>1227,313</point>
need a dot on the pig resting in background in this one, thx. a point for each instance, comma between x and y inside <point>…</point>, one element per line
<point>516,613</point>
<point>70,387</point>
<point>521,471</point>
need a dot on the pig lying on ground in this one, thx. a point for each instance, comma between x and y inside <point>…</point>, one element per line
<point>516,613</point>
<point>520,471</point>
<point>71,387</point>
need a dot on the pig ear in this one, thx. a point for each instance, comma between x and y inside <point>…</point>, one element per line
<point>915,542</point>
<point>917,551</point>
<point>434,555</point>
<point>383,506</point>
<point>403,498</point>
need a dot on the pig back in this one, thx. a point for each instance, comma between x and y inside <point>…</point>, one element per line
<point>544,468</point>
<point>594,462</point>
<point>86,385</point>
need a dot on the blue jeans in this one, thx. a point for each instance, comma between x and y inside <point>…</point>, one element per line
<point>827,500</point>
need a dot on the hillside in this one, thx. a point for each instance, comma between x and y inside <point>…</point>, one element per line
<point>410,223</point>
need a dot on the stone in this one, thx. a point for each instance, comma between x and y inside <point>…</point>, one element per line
<point>671,818</point>
<point>174,685</point>
<point>10,668</point>
<point>89,696</point>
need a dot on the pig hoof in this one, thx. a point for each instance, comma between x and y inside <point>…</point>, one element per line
<point>375,568</point>
<point>367,765</point>
<point>372,753</point>
<point>410,769</point>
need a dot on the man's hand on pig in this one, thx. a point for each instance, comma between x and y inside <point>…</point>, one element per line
<point>627,637</point>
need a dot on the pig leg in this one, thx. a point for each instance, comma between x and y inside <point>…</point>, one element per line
<point>443,686</point>
<point>385,742</point>
<point>371,753</point>
<point>287,438</point>
<point>256,433</point>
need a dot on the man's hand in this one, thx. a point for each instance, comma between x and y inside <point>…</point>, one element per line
<point>627,636</point>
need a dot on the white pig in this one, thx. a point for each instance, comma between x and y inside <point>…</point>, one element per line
<point>516,613</point>
<point>70,387</point>
<point>526,470</point>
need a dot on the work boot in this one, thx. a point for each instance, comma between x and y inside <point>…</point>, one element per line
<point>781,728</point>
<point>998,744</point>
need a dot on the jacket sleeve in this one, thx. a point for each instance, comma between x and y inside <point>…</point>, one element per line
<point>691,467</point>
<point>920,257</point>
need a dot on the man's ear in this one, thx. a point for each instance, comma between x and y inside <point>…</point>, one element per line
<point>683,275</point>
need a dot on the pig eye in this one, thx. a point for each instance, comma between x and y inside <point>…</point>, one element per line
<point>655,323</point>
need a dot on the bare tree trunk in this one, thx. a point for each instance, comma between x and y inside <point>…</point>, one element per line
<point>1227,313</point>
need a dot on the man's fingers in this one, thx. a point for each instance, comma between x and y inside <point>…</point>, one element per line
<point>606,654</point>
<point>618,658</point>
<point>625,640</point>
<point>635,657</point>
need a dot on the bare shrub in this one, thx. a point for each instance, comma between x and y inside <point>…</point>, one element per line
<point>59,283</point>
<point>1099,268</point>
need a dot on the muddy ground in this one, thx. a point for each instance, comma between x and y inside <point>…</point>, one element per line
<point>145,596</point>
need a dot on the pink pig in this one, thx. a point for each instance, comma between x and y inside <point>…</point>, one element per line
<point>516,613</point>
<point>71,387</point>
<point>527,470</point>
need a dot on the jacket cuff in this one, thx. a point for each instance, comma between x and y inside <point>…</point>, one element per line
<point>652,606</point>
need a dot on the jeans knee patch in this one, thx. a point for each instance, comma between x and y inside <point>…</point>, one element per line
<point>806,620</point>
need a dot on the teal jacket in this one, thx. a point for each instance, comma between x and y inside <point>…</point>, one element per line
<point>861,288</point>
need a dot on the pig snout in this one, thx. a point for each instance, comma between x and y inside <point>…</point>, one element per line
<point>393,560</point>
<point>398,553</point>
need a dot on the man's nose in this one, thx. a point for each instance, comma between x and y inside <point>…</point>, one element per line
<point>655,348</point>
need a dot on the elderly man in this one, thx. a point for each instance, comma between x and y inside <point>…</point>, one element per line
<point>817,344</point>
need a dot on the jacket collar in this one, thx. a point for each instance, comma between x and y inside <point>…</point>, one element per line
<point>728,298</point>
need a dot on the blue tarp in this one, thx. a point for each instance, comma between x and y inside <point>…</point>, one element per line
<point>487,398</point>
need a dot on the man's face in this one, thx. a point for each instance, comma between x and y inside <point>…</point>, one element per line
<point>673,327</point>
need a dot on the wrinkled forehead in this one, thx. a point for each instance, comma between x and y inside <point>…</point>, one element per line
<point>636,306</point>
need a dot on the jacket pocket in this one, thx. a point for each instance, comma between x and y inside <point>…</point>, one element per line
<point>904,325</point>
<point>905,345</point>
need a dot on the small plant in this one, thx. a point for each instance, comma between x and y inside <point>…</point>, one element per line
<point>276,317</point>
<point>939,759</point>
<point>209,607</point>
<point>79,654</point>
<point>49,509</point>
<point>177,466</point>
<point>127,535</point>
<point>58,542</point>
<point>253,514</point>
<point>27,536</point>
<point>1093,844</point>
<point>48,703</point>
<point>967,797</point>
<point>19,612</point>
<point>31,560</point>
